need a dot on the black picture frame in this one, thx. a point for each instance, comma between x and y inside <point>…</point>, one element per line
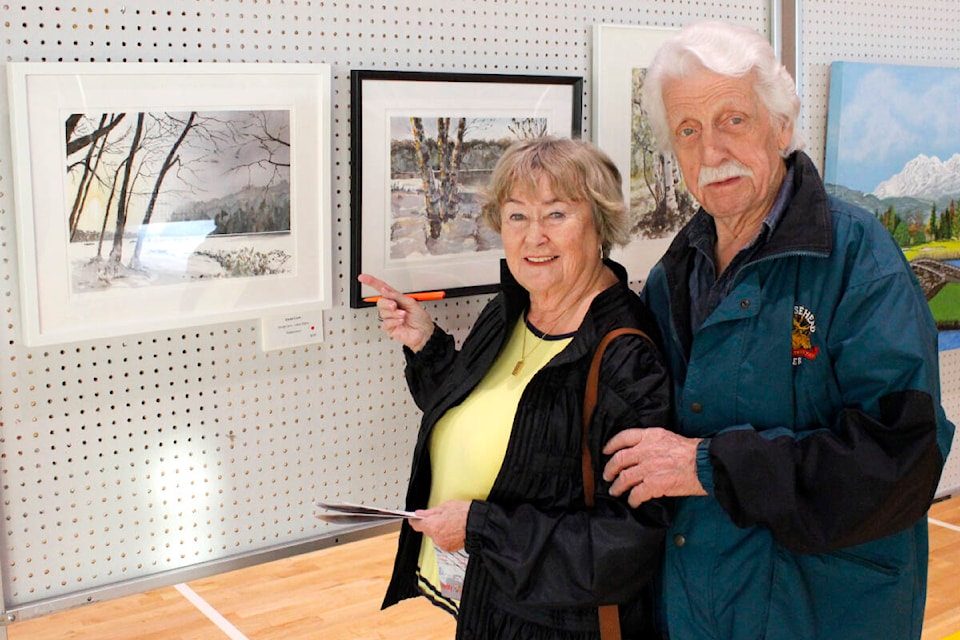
<point>388,203</point>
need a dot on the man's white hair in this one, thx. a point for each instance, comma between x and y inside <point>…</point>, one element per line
<point>730,50</point>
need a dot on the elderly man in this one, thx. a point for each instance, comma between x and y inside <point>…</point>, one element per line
<point>810,436</point>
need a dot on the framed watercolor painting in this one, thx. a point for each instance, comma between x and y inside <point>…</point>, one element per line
<point>154,196</point>
<point>423,146</point>
<point>659,204</point>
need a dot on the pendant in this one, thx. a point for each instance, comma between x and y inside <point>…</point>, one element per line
<point>518,367</point>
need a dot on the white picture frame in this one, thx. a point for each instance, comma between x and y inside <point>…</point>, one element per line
<point>241,263</point>
<point>617,51</point>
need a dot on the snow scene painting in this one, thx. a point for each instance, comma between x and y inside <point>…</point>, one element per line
<point>157,198</point>
<point>893,147</point>
<point>438,166</point>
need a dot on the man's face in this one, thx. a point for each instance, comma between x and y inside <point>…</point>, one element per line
<point>727,144</point>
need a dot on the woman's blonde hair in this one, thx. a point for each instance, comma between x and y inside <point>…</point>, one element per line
<point>577,170</point>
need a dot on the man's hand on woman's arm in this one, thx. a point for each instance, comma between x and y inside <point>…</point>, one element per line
<point>651,463</point>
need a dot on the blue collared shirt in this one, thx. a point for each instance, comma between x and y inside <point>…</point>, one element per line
<point>707,291</point>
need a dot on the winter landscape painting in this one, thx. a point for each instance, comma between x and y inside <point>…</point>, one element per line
<point>438,166</point>
<point>157,198</point>
<point>893,147</point>
<point>424,146</point>
<point>160,196</point>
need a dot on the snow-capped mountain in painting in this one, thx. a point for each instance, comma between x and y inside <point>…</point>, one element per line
<point>925,177</point>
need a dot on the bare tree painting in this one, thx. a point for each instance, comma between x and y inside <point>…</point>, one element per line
<point>164,197</point>
<point>438,166</point>
<point>659,203</point>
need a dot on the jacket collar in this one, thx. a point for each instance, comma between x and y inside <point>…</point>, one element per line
<point>602,309</point>
<point>806,226</point>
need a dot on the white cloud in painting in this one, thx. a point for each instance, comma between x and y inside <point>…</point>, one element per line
<point>893,114</point>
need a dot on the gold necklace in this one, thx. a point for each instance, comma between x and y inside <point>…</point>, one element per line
<point>517,368</point>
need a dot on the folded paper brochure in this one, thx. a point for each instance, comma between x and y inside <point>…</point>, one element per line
<point>349,513</point>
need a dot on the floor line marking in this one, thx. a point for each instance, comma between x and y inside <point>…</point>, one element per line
<point>232,632</point>
<point>943,524</point>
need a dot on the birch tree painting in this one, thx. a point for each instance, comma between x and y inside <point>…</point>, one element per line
<point>659,203</point>
<point>438,165</point>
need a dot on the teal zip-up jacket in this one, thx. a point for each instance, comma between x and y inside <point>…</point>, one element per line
<point>815,385</point>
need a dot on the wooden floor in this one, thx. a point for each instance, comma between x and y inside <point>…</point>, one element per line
<point>335,594</point>
<point>942,618</point>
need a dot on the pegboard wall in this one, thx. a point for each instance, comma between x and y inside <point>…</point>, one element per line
<point>139,460</point>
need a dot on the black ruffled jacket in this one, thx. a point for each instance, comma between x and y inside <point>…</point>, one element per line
<point>540,563</point>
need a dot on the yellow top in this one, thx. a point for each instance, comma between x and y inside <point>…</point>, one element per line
<point>468,443</point>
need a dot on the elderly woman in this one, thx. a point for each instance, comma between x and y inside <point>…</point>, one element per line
<point>496,475</point>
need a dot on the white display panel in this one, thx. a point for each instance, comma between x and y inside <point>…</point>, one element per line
<point>133,462</point>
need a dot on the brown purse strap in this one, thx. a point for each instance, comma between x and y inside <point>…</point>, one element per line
<point>609,614</point>
<point>590,402</point>
<point>609,622</point>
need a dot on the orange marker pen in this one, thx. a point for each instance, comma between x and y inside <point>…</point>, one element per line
<point>420,295</point>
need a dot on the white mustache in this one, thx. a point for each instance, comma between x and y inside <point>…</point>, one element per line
<point>727,170</point>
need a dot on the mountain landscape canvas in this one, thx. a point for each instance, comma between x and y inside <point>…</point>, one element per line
<point>893,147</point>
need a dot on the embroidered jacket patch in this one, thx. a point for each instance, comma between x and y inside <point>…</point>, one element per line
<point>804,326</point>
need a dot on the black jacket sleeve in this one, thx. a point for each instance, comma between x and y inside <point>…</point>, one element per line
<point>868,479</point>
<point>426,369</point>
<point>874,469</point>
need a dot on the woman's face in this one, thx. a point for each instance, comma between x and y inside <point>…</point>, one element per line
<point>551,245</point>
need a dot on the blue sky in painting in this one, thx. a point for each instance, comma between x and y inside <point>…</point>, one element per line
<point>881,116</point>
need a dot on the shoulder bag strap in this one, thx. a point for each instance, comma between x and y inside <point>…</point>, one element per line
<point>609,614</point>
